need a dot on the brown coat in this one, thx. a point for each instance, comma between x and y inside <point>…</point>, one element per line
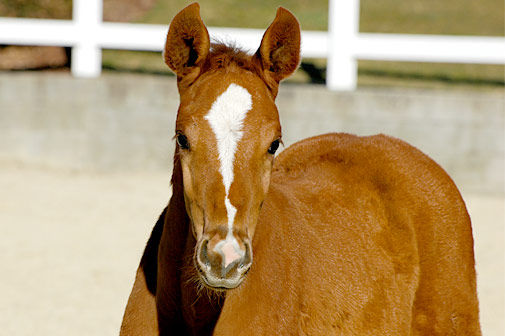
<point>350,235</point>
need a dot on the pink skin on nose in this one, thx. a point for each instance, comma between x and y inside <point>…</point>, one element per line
<point>229,254</point>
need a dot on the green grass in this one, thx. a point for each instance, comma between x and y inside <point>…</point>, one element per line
<point>134,61</point>
<point>453,17</point>
<point>430,75</point>
<point>245,14</point>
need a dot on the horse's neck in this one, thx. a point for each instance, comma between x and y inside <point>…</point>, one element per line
<point>179,291</point>
<point>176,227</point>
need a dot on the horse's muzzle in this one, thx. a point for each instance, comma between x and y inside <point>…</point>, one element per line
<point>223,263</point>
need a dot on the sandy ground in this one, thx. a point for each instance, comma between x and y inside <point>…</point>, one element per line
<point>70,243</point>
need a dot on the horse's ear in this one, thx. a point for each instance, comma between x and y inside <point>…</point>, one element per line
<point>279,52</point>
<point>187,44</point>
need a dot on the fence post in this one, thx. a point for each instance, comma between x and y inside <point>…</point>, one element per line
<point>86,53</point>
<point>343,29</point>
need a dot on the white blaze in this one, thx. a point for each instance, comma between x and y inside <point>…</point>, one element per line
<point>226,117</point>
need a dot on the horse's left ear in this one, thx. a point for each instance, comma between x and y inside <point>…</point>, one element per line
<point>279,52</point>
<point>187,45</point>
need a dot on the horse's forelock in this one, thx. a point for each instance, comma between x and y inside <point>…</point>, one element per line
<point>224,54</point>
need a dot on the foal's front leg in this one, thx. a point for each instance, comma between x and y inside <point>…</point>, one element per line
<point>140,317</point>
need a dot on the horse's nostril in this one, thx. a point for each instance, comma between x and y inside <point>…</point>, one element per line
<point>204,257</point>
<point>247,260</point>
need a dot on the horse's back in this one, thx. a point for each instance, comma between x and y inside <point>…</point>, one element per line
<point>358,235</point>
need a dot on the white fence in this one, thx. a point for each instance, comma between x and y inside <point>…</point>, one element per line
<point>342,45</point>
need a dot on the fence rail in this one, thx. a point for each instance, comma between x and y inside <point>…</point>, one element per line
<point>342,45</point>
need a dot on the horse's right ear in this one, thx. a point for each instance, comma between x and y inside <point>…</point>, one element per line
<point>279,52</point>
<point>187,45</point>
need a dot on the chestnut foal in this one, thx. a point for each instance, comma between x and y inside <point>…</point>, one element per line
<point>350,235</point>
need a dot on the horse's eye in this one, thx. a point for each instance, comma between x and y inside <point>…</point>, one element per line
<point>274,146</point>
<point>182,141</point>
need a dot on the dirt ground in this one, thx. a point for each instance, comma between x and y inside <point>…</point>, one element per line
<point>71,242</point>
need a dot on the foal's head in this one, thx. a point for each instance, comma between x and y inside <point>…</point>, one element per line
<point>227,133</point>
